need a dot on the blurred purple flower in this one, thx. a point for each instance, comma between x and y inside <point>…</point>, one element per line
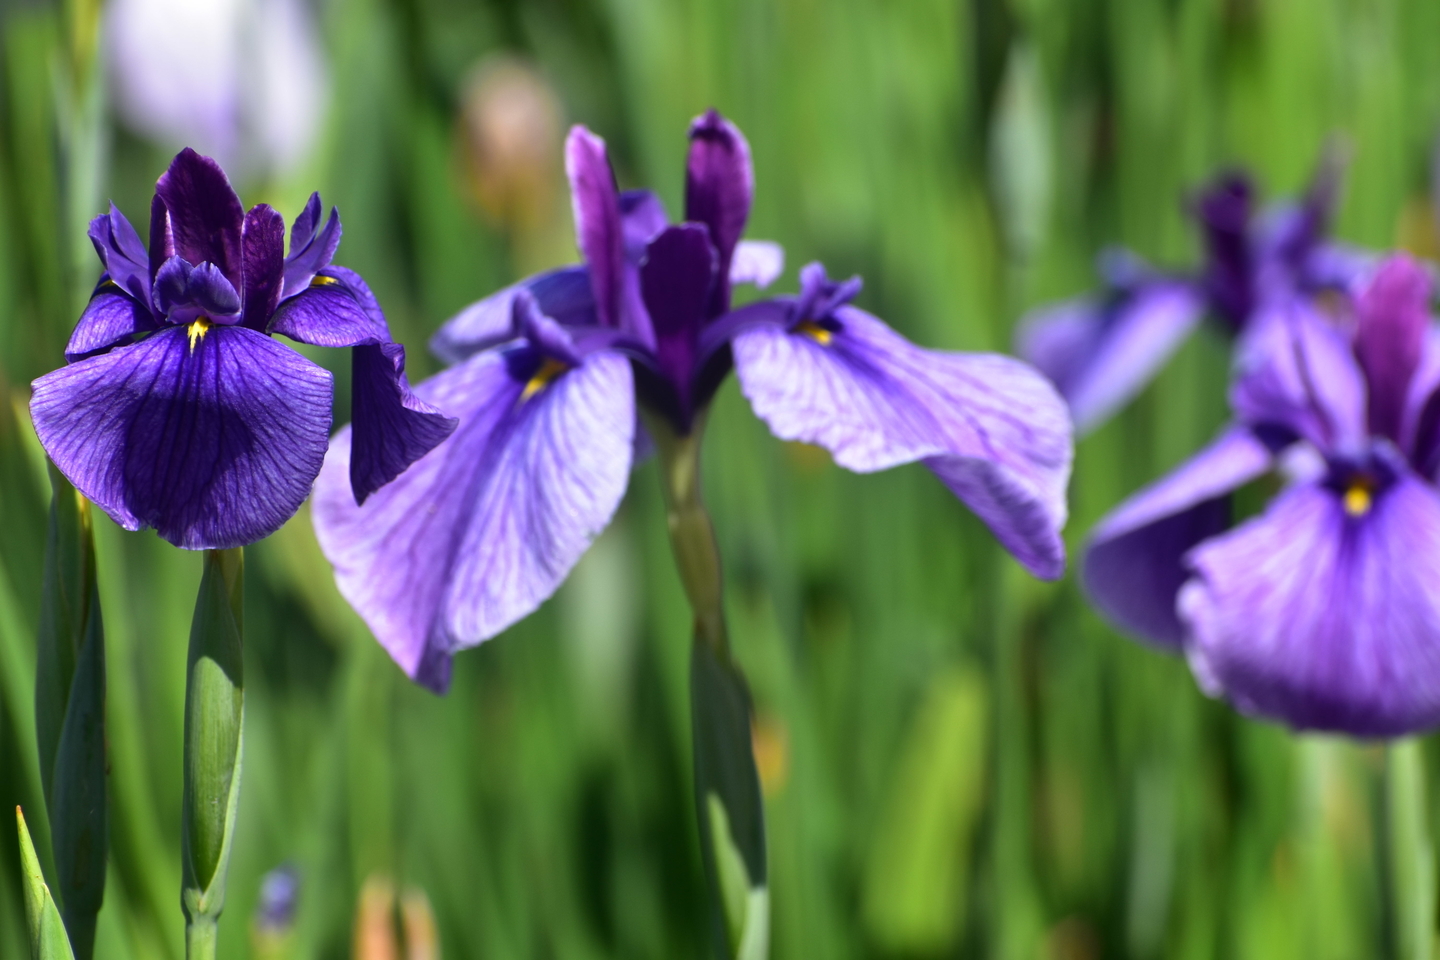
<point>546,382</point>
<point>258,102</point>
<point>1102,349</point>
<point>177,409</point>
<point>279,896</point>
<point>1324,611</point>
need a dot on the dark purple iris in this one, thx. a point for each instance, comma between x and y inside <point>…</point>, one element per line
<point>179,411</point>
<point>1101,350</point>
<point>547,378</point>
<point>1324,611</point>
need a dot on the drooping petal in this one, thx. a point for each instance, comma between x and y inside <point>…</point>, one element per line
<point>1133,562</point>
<point>598,228</point>
<point>205,213</point>
<point>1295,373</point>
<point>264,247</point>
<point>1100,354</point>
<point>213,444</point>
<point>1393,314</point>
<point>121,253</point>
<point>563,294</point>
<point>643,216</point>
<point>1321,619</point>
<point>989,426</point>
<point>757,262</point>
<point>478,533</point>
<point>719,188</point>
<point>676,282</point>
<point>109,318</point>
<point>312,247</point>
<point>392,427</point>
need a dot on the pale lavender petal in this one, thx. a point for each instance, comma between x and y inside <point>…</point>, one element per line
<point>563,294</point>
<point>1133,561</point>
<point>205,214</point>
<point>643,217</point>
<point>757,262</point>
<point>122,254</point>
<point>312,247</point>
<point>989,426</point>
<point>264,249</point>
<point>598,228</point>
<point>544,333</point>
<point>1321,619</point>
<point>719,187</point>
<point>1392,314</point>
<point>1296,374</point>
<point>110,318</point>
<point>478,533</point>
<point>1101,355</point>
<point>214,445</point>
<point>392,427</point>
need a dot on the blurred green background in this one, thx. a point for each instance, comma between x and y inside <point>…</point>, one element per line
<point>958,761</point>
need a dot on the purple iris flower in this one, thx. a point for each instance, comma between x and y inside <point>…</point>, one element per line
<point>549,373</point>
<point>1102,349</point>
<point>1324,610</point>
<point>179,411</point>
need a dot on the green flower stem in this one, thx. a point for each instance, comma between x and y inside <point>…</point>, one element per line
<point>1407,859</point>
<point>728,803</point>
<point>214,721</point>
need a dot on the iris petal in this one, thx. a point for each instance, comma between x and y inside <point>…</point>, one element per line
<point>599,231</point>
<point>214,445</point>
<point>563,294</point>
<point>109,318</point>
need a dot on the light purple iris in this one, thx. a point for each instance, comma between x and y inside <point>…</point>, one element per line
<point>1102,349</point>
<point>1324,611</point>
<point>547,379</point>
<point>179,411</point>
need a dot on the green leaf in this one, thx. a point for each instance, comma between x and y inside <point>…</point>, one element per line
<point>70,712</point>
<point>47,930</point>
<point>214,715</point>
<point>730,808</point>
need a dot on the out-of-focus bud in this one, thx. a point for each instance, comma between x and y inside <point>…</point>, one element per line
<point>271,927</point>
<point>375,921</point>
<point>422,939</point>
<point>510,138</point>
<point>240,80</point>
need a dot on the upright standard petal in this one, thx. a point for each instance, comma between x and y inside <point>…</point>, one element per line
<point>1101,354</point>
<point>719,188</point>
<point>643,216</point>
<point>1133,565</point>
<point>478,533</point>
<point>676,282</point>
<point>214,442</point>
<point>1393,314</point>
<point>1322,619</point>
<point>563,294</point>
<point>598,228</point>
<point>312,246</point>
<point>121,253</point>
<point>1224,210</point>
<point>989,426</point>
<point>264,252</point>
<point>205,215</point>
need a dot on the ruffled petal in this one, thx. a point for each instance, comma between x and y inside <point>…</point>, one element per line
<point>122,254</point>
<point>989,426</point>
<point>264,247</point>
<point>1324,620</point>
<point>392,427</point>
<point>214,445</point>
<point>312,247</point>
<point>757,262</point>
<point>478,533</point>
<point>719,188</point>
<point>1133,562</point>
<point>110,318</point>
<point>563,294</point>
<point>1101,354</point>
<point>598,228</point>
<point>1393,314</point>
<point>205,215</point>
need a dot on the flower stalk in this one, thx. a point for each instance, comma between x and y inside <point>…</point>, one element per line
<point>1407,859</point>
<point>214,718</point>
<point>728,803</point>
<point>70,713</point>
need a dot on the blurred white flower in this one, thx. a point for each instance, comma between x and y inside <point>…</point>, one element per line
<point>240,80</point>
